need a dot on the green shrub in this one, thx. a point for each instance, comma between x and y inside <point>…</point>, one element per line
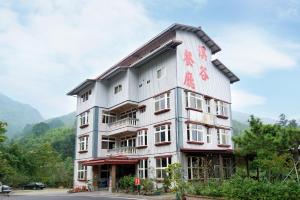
<point>147,185</point>
<point>211,188</point>
<point>127,183</point>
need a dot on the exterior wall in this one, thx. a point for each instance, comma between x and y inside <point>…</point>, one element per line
<point>140,84</point>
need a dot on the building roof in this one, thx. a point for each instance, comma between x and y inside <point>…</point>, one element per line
<point>160,43</point>
<point>230,75</point>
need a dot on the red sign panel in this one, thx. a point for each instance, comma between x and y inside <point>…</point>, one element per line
<point>137,181</point>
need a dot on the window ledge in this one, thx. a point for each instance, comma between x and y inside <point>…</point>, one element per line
<point>83,151</point>
<point>141,147</point>
<point>81,179</point>
<point>162,143</point>
<point>224,145</point>
<point>195,109</point>
<point>162,111</point>
<point>83,126</point>
<point>222,117</point>
<point>195,142</point>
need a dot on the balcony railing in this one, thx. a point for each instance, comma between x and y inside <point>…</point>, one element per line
<point>124,122</point>
<point>123,150</point>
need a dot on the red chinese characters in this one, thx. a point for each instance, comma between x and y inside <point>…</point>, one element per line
<point>202,52</point>
<point>203,73</point>
<point>189,80</point>
<point>188,58</point>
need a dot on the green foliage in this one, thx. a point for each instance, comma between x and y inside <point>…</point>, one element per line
<point>41,158</point>
<point>272,147</point>
<point>127,183</point>
<point>2,131</point>
<point>40,128</point>
<point>211,188</point>
<point>175,175</point>
<point>249,189</point>
<point>238,127</point>
<point>147,185</point>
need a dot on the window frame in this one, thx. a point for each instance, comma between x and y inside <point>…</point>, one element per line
<point>143,169</point>
<point>195,168</point>
<point>194,101</point>
<point>158,133</point>
<point>141,138</point>
<point>161,168</point>
<point>118,89</point>
<point>162,99</point>
<point>221,135</point>
<point>162,71</point>
<point>84,118</point>
<point>83,143</point>
<point>222,108</point>
<point>81,172</point>
<point>191,129</point>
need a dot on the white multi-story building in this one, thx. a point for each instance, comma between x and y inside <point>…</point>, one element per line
<point>166,102</point>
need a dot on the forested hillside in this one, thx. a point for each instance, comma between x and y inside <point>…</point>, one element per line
<point>46,156</point>
<point>17,115</point>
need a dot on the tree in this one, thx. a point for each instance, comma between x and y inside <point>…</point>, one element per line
<point>40,128</point>
<point>282,120</point>
<point>2,131</point>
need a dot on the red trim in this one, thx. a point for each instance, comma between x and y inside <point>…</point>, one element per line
<point>167,91</point>
<point>160,124</point>
<point>224,145</point>
<point>84,135</point>
<point>195,109</point>
<point>207,96</point>
<point>81,179</point>
<point>83,151</point>
<point>163,156</point>
<point>192,150</point>
<point>83,126</point>
<point>142,129</point>
<point>143,158</point>
<point>162,143</point>
<point>162,111</point>
<point>222,117</point>
<point>194,142</point>
<point>204,95</point>
<point>141,147</point>
<point>141,106</point>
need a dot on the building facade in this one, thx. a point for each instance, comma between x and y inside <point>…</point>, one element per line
<point>166,102</point>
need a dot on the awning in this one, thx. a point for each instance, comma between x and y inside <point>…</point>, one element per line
<point>111,160</point>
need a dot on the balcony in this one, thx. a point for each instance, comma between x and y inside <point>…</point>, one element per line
<point>204,118</point>
<point>123,151</point>
<point>123,125</point>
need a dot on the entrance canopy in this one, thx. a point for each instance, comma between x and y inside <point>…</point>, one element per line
<point>118,160</point>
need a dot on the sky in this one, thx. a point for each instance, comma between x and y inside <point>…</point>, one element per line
<point>47,47</point>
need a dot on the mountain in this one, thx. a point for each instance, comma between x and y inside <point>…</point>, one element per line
<point>244,117</point>
<point>17,115</point>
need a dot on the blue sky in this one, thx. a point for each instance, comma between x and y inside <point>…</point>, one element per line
<point>48,47</point>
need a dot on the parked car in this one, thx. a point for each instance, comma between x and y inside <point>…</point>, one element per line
<point>34,186</point>
<point>5,189</point>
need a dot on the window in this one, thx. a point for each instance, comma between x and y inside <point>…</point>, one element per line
<point>127,142</point>
<point>162,102</point>
<point>142,138</point>
<point>195,168</point>
<point>118,89</point>
<point>161,165</point>
<point>207,105</point>
<point>208,135</point>
<point>129,114</point>
<point>108,117</point>
<point>221,108</point>
<point>108,143</point>
<point>85,96</point>
<point>148,81</point>
<point>222,136</point>
<point>162,133</point>
<point>194,100</point>
<point>143,169</point>
<point>195,132</point>
<point>82,172</point>
<point>83,143</point>
<point>160,72</point>
<point>84,119</point>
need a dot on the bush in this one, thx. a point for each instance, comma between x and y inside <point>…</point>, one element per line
<point>249,189</point>
<point>127,183</point>
<point>147,185</point>
<point>212,188</point>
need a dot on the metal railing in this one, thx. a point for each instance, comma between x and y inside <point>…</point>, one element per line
<point>123,150</point>
<point>124,122</point>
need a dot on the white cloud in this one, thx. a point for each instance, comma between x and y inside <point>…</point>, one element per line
<point>48,47</point>
<point>251,51</point>
<point>242,99</point>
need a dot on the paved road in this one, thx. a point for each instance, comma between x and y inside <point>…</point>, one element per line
<point>34,197</point>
